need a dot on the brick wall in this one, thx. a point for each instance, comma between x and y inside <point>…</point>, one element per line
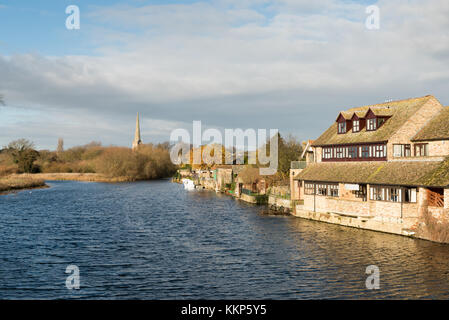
<point>317,151</point>
<point>295,191</point>
<point>328,204</point>
<point>415,123</point>
<point>438,148</point>
<point>356,206</point>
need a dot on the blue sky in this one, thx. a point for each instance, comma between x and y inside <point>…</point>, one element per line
<point>39,26</point>
<point>285,64</point>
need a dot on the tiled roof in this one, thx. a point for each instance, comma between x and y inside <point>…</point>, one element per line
<point>398,111</point>
<point>436,129</point>
<point>405,173</point>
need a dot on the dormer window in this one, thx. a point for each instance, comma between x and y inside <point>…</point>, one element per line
<point>371,124</point>
<point>342,127</point>
<point>356,126</point>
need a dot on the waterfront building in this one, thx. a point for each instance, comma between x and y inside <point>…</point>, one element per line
<point>383,167</point>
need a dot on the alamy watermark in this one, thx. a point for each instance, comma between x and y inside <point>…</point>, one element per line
<point>373,280</point>
<point>373,20</point>
<point>212,151</point>
<point>73,20</point>
<point>73,280</point>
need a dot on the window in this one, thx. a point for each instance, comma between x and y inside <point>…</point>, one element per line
<point>321,189</point>
<point>309,188</point>
<point>353,152</point>
<point>402,150</point>
<point>342,127</point>
<point>421,150</point>
<point>339,153</point>
<point>365,152</point>
<point>410,195</point>
<point>361,193</point>
<point>333,190</point>
<point>380,151</point>
<point>377,193</point>
<point>380,121</point>
<point>394,194</point>
<point>356,126</point>
<point>371,125</point>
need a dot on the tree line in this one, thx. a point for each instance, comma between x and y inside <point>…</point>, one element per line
<point>147,162</point>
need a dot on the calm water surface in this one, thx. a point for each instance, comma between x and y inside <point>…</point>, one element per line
<point>153,240</point>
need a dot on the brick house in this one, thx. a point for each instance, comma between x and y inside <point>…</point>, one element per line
<point>379,167</point>
<point>249,181</point>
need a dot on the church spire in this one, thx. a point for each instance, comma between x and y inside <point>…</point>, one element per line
<point>137,140</point>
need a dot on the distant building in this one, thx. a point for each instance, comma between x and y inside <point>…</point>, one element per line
<point>137,141</point>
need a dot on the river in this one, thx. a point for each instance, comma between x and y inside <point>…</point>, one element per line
<point>154,240</point>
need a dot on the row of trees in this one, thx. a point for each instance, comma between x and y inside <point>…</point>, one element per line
<point>148,162</point>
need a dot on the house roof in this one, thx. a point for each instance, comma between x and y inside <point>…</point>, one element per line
<point>436,129</point>
<point>402,173</point>
<point>346,115</point>
<point>236,169</point>
<point>398,111</point>
<point>249,175</point>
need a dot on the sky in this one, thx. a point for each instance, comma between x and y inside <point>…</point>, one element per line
<point>290,65</point>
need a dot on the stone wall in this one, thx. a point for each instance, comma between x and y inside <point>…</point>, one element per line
<point>295,190</point>
<point>248,198</point>
<point>280,190</point>
<point>208,184</point>
<point>318,152</point>
<point>406,214</point>
<point>437,148</point>
<point>415,123</point>
<point>390,226</point>
<point>276,203</point>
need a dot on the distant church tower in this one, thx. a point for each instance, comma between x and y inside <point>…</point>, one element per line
<point>137,140</point>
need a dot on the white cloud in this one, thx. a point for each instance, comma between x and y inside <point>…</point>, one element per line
<point>285,64</point>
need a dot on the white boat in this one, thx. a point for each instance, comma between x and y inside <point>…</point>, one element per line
<point>188,184</point>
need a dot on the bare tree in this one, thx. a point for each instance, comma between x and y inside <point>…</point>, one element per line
<point>20,145</point>
<point>23,154</point>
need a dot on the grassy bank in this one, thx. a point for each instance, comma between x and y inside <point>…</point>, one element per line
<point>88,177</point>
<point>20,182</point>
<point>16,182</point>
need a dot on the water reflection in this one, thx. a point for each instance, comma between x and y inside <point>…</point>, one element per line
<point>153,240</point>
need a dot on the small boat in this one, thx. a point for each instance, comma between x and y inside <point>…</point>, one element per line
<point>188,184</point>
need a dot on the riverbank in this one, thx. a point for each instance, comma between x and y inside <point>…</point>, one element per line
<point>18,182</point>
<point>86,177</point>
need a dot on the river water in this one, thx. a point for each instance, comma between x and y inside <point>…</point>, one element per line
<point>154,240</point>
